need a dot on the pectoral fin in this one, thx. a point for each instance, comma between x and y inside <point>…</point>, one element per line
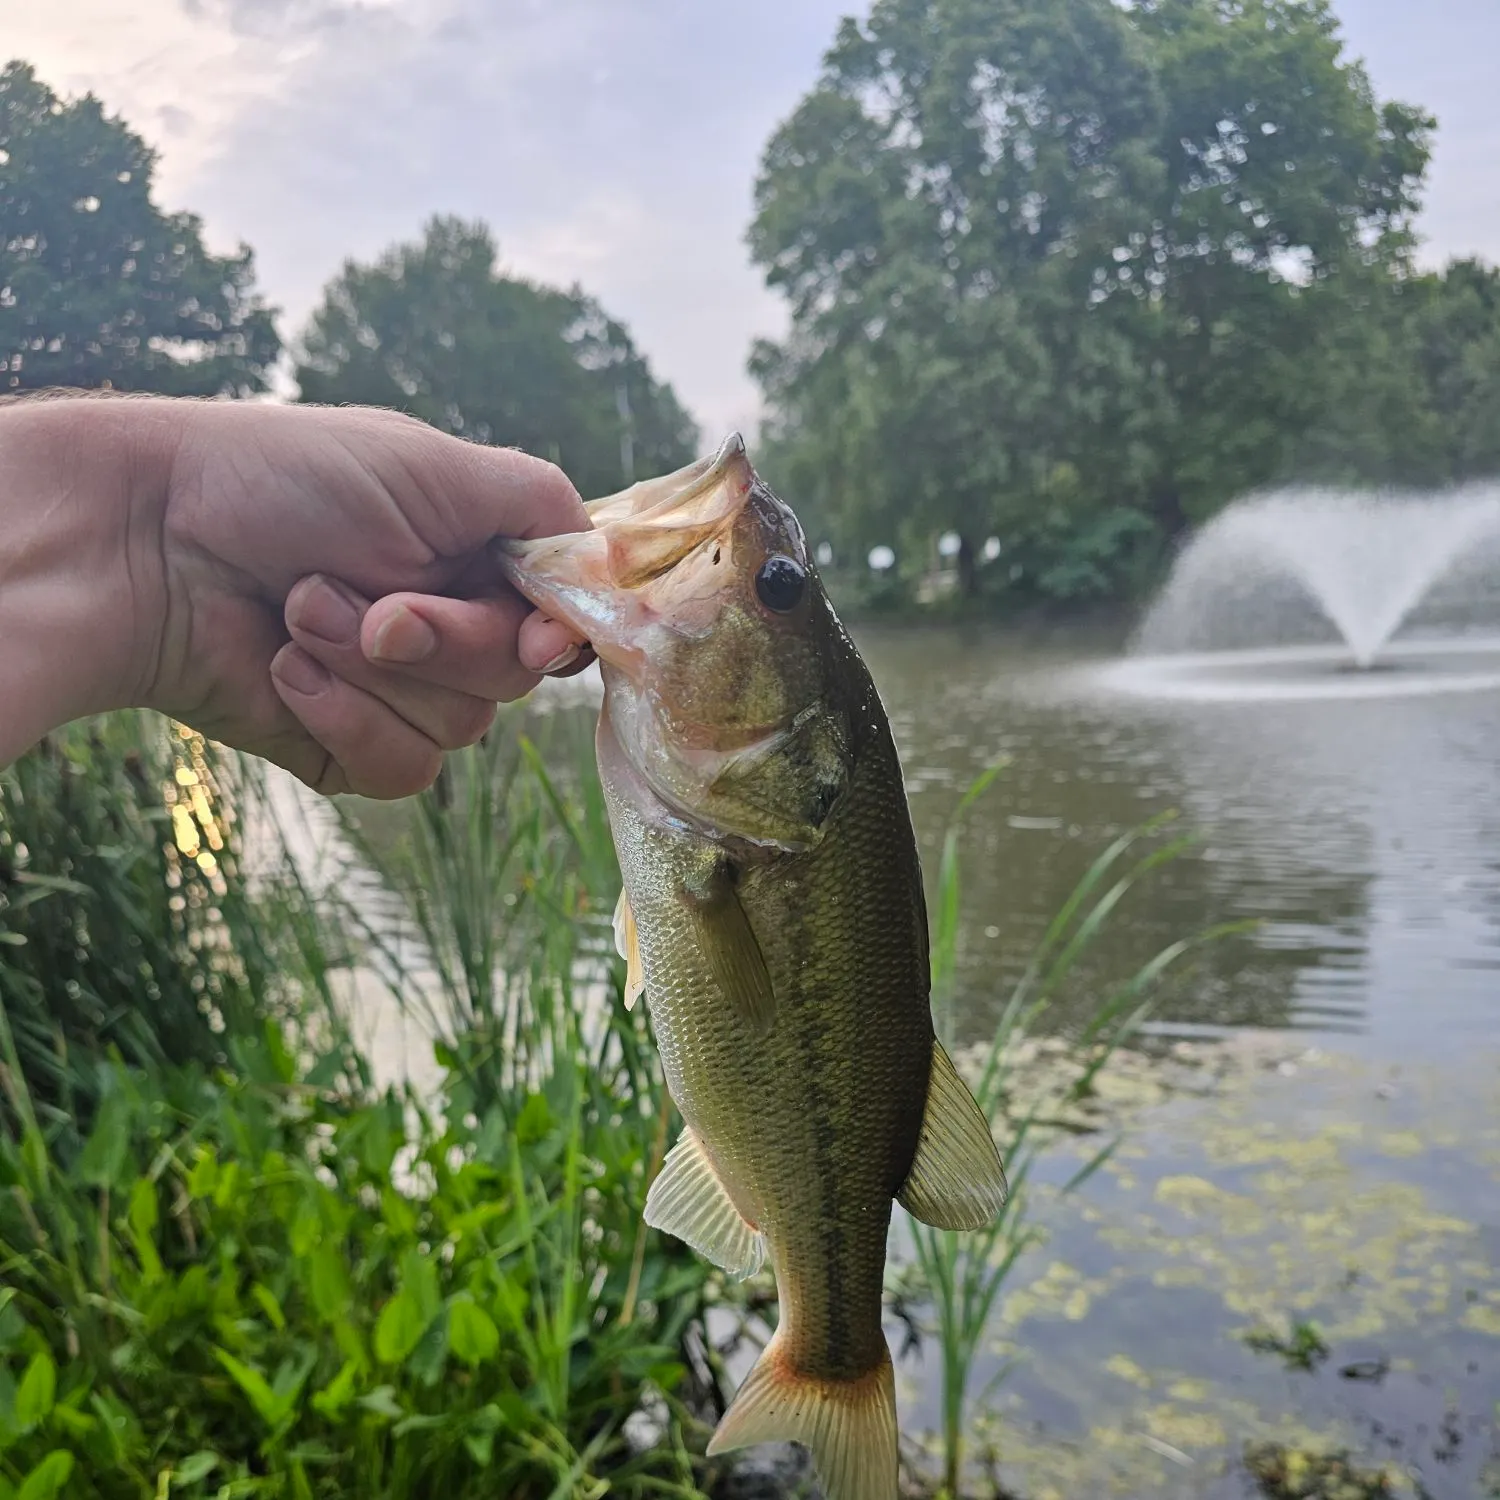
<point>628,946</point>
<point>956,1180</point>
<point>729,945</point>
<point>689,1200</point>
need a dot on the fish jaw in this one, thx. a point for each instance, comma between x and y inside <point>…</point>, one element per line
<point>596,581</point>
<point>717,689</point>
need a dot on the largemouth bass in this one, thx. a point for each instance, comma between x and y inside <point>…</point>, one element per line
<point>773,915</point>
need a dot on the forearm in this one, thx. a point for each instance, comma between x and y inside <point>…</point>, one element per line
<point>82,489</point>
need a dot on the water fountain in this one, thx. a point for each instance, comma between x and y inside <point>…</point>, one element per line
<point>1301,593</point>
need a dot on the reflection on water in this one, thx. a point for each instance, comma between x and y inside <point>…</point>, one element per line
<point>1361,834</point>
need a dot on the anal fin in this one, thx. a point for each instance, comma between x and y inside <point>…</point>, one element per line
<point>956,1180</point>
<point>849,1426</point>
<point>689,1200</point>
<point>628,946</point>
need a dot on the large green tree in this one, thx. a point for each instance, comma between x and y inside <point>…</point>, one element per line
<point>434,329</point>
<point>99,287</point>
<point>1068,272</point>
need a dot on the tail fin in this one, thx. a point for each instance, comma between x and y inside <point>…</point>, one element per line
<point>849,1425</point>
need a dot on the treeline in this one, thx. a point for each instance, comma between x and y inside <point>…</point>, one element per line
<point>1066,276</point>
<point>99,288</point>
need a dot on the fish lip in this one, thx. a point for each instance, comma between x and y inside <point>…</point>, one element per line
<point>653,524</point>
<point>654,502</point>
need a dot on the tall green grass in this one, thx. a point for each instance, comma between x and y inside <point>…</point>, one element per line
<point>232,1267</point>
<point>964,1275</point>
<point>126,926</point>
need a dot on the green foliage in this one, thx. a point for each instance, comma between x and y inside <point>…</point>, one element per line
<point>249,1269</point>
<point>1417,401</point>
<point>434,329</point>
<point>126,924</point>
<point>1074,275</point>
<point>270,1284</point>
<point>1303,1348</point>
<point>98,287</point>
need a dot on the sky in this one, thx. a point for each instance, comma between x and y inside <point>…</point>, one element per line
<point>608,142</point>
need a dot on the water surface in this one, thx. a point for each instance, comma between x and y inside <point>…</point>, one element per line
<point>1363,835</point>
<point>1344,1168</point>
<point>1345,1171</point>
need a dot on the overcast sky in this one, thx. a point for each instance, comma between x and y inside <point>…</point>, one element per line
<point>613,142</point>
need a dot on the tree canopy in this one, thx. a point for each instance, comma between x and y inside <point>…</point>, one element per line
<point>434,329</point>
<point>1074,275</point>
<point>99,287</point>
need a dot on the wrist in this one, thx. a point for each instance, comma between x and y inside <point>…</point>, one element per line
<point>83,486</point>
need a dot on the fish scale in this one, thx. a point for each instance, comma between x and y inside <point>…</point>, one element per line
<point>814,1127</point>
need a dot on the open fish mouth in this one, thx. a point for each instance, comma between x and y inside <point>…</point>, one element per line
<point>592,580</point>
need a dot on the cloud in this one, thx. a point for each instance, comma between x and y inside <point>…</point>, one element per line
<point>605,143</point>
<point>278,18</point>
<point>613,142</point>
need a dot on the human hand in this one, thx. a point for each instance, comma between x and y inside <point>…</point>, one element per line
<point>358,533</point>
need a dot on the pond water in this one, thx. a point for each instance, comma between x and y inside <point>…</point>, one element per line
<point>1363,835</point>
<point>1323,1146</point>
<point>1343,1166</point>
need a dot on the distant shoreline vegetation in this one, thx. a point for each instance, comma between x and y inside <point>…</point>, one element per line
<point>1063,281</point>
<point>1074,277</point>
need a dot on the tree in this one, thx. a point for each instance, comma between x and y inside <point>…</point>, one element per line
<point>433,329</point>
<point>1287,203</point>
<point>99,287</point>
<point>1456,318</point>
<point>1417,400</point>
<point>1064,271</point>
<point>929,211</point>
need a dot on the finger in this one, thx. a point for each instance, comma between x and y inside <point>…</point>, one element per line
<point>237,702</point>
<point>468,645</point>
<point>324,616</point>
<point>375,751</point>
<point>490,492</point>
<point>547,645</point>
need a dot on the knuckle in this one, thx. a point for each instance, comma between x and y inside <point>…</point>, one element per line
<point>462,722</point>
<point>472,722</point>
<point>557,490</point>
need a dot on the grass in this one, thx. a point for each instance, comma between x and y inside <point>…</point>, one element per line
<point>232,1266</point>
<point>119,909</point>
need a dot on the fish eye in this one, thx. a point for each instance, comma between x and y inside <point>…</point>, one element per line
<point>780,583</point>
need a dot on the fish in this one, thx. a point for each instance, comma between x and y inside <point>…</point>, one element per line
<point>772,914</point>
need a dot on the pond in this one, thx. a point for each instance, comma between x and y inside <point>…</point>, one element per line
<point>1313,1144</point>
<point>1334,1160</point>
